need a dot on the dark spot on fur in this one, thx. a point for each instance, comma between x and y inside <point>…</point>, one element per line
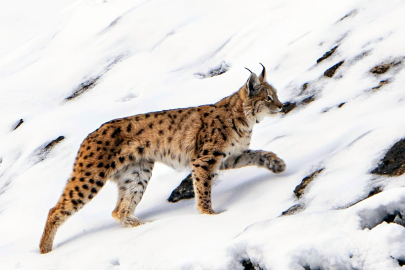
<point>140,149</point>
<point>93,190</point>
<point>129,127</point>
<point>204,167</point>
<point>100,165</point>
<point>90,196</point>
<point>91,181</point>
<point>101,174</point>
<point>100,157</point>
<point>219,153</point>
<point>121,159</point>
<point>211,161</point>
<point>116,132</point>
<point>80,194</point>
<point>88,173</point>
<point>100,183</point>
<point>161,132</point>
<point>85,187</point>
<point>76,188</point>
<point>99,142</point>
<point>74,202</point>
<point>89,165</point>
<point>151,125</point>
<point>82,179</point>
<point>113,164</point>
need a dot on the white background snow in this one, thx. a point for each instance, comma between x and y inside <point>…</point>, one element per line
<point>147,54</point>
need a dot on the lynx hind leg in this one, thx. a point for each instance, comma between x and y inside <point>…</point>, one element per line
<point>132,181</point>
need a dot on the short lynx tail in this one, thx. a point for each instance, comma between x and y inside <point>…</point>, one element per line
<point>53,222</point>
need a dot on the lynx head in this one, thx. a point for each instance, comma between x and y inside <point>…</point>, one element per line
<point>261,99</point>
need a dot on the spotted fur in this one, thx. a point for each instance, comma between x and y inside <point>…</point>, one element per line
<point>203,139</point>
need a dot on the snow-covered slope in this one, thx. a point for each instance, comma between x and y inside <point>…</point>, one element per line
<point>126,57</point>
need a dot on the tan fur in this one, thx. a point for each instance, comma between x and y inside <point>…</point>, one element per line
<point>204,139</point>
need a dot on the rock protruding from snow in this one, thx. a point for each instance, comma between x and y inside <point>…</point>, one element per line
<point>18,124</point>
<point>215,71</point>
<point>300,189</point>
<point>331,71</point>
<point>293,210</point>
<point>248,265</point>
<point>327,54</point>
<point>288,107</point>
<point>184,191</point>
<point>393,163</point>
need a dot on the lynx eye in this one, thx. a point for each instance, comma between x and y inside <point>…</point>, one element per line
<point>269,98</point>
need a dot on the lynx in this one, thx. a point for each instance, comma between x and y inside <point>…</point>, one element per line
<point>204,139</point>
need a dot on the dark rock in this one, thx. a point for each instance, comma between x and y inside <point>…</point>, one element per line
<point>299,190</point>
<point>308,100</point>
<point>248,265</point>
<point>393,163</point>
<point>53,143</point>
<point>84,87</point>
<point>327,54</point>
<point>18,124</point>
<point>380,69</point>
<point>184,191</point>
<point>384,82</point>
<point>372,192</point>
<point>341,104</point>
<point>304,87</point>
<point>292,210</point>
<point>331,71</point>
<point>92,82</point>
<point>288,107</point>
<point>350,14</point>
<point>215,72</point>
<point>307,267</point>
<point>42,153</point>
<point>401,262</point>
<point>383,68</point>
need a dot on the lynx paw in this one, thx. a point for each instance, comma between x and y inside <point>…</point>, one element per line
<point>207,212</point>
<point>273,163</point>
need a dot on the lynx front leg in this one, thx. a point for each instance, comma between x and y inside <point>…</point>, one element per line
<point>132,181</point>
<point>258,158</point>
<point>203,172</point>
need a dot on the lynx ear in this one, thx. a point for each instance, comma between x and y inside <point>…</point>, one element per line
<point>251,84</point>
<point>262,76</point>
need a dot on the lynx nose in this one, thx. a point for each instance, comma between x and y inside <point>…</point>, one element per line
<point>279,105</point>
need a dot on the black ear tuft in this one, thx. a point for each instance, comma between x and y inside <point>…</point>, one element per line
<point>262,76</point>
<point>251,84</point>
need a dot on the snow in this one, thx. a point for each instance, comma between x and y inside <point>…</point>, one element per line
<point>148,56</point>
